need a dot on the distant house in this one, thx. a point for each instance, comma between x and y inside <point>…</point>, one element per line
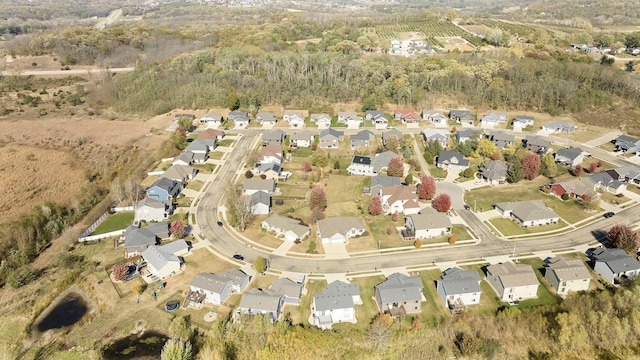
<point>239,118</point>
<point>294,118</point>
<point>285,227</point>
<point>271,154</point>
<point>459,288</point>
<point>559,126</point>
<point>180,173</point>
<point>627,173</point>
<point>501,139</point>
<point>399,199</point>
<point>340,229</point>
<point>493,118</point>
<point>426,225</point>
<point>350,118</point>
<point>260,203</point>
<point>266,118</point>
<point>264,302</point>
<point>452,160</point>
<point>436,117</point>
<point>399,295</point>
<point>361,140</point>
<point>370,165</point>
<point>137,240</point>
<point>330,138</point>
<point>513,282</point>
<point>468,134</point>
<point>301,139</point>
<point>335,304</point>
<point>211,134</point>
<point>569,157</point>
<point>528,213</point>
<point>574,188</point>
<point>438,135</point>
<point>462,117</point>
<point>494,172</point>
<point>604,181</point>
<point>251,186</point>
<point>164,189</point>
<point>522,121</point>
<point>567,275</point>
<point>200,149</point>
<point>211,120</point>
<point>614,265</point>
<point>291,290</point>
<point>408,117</point>
<point>389,134</point>
<point>626,144</point>
<point>378,182</point>
<point>378,119</point>
<point>537,144</point>
<point>186,158</point>
<point>274,137</point>
<point>149,209</point>
<point>322,120</point>
<point>161,262</point>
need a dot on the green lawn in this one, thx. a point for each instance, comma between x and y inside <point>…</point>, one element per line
<point>369,309</point>
<point>204,168</point>
<point>216,155</point>
<point>545,296</point>
<point>114,222</point>
<point>226,142</point>
<point>436,172</point>
<point>509,227</point>
<point>433,308</point>
<point>300,314</point>
<point>302,152</point>
<point>460,232</point>
<point>489,301</point>
<point>608,146</point>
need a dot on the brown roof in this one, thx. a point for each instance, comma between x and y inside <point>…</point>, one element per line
<point>512,275</point>
<point>272,150</point>
<point>210,134</point>
<point>399,192</point>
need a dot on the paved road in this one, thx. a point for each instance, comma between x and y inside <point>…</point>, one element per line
<point>65,72</point>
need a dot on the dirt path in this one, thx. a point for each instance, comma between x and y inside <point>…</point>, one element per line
<point>113,17</point>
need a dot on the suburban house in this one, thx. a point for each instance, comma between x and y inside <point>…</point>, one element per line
<point>627,173</point>
<point>569,157</point>
<point>462,117</point>
<point>451,160</point>
<point>211,120</point>
<point>159,229</point>
<point>408,117</point>
<point>559,126</point>
<point>350,118</point>
<point>537,144</point>
<point>399,295</point>
<point>322,120</point>
<point>399,199</point>
<point>513,282</point>
<point>301,139</point>
<point>522,121</point>
<point>261,302</point>
<point>501,139</point>
<point>340,229</point>
<point>200,149</point>
<point>493,118</point>
<point>370,165</point>
<point>285,227</point>
<point>627,144</point>
<point>211,134</point>
<point>271,154</point>
<point>294,118</point>
<point>137,240</point>
<point>251,186</point>
<point>377,117</point>
<point>528,213</point>
<point>290,290</point>
<point>361,140</point>
<point>438,135</point>
<point>269,170</point>
<point>378,182</point>
<point>273,137</point>
<point>266,118</point>
<point>614,265</point>
<point>330,138</point>
<point>426,225</point>
<point>239,118</point>
<point>260,203</point>
<point>604,181</point>
<point>164,189</point>
<point>164,261</point>
<point>468,134</point>
<point>186,158</point>
<point>216,288</point>
<point>149,209</point>
<point>335,304</point>
<point>436,117</point>
<point>389,134</point>
<point>567,275</point>
<point>181,173</point>
<point>458,288</point>
<point>494,172</point>
<point>574,188</point>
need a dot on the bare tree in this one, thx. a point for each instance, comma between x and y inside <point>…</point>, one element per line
<point>132,189</point>
<point>117,191</point>
<point>239,210</point>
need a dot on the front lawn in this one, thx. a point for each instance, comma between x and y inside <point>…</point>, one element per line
<point>509,227</point>
<point>195,185</point>
<point>225,142</point>
<point>216,155</point>
<point>114,222</point>
<point>256,234</point>
<point>436,172</point>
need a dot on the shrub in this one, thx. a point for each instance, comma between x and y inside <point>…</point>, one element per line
<point>417,244</point>
<point>390,230</point>
<point>248,174</point>
<point>70,261</point>
<point>119,271</point>
<point>21,276</point>
<point>452,239</point>
<point>565,197</point>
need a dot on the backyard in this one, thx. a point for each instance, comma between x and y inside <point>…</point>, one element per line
<point>300,314</point>
<point>369,309</point>
<point>113,222</point>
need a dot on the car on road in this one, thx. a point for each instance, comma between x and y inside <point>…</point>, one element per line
<point>479,182</point>
<point>219,223</point>
<point>609,214</point>
<point>467,207</point>
<point>238,257</point>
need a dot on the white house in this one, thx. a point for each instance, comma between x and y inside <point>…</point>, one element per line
<point>614,264</point>
<point>161,263</point>
<point>438,135</point>
<point>458,288</point>
<point>559,126</point>
<point>350,118</point>
<point>429,223</point>
<point>513,282</point>
<point>322,120</point>
<point>272,153</point>
<point>336,304</point>
<point>294,118</point>
<point>370,165</point>
<point>265,302</point>
<point>522,121</point>
<point>451,160</point>
<point>399,199</point>
<point>240,118</point>
<point>567,275</point>
<point>285,227</point>
<point>211,120</point>
<point>436,117</point>
<point>251,186</point>
<point>569,157</point>
<point>266,118</point>
<point>339,229</point>
<point>301,139</point>
<point>399,295</point>
<point>149,209</point>
<point>212,288</point>
<point>528,213</point>
<point>260,203</point>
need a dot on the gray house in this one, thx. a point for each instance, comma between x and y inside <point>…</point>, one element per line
<point>458,288</point>
<point>537,144</point>
<point>452,160</point>
<point>567,275</point>
<point>614,265</point>
<point>462,117</point>
<point>361,140</point>
<point>330,138</point>
<point>438,135</point>
<point>626,144</point>
<point>261,302</point>
<point>468,134</point>
<point>501,139</point>
<point>528,213</point>
<point>291,290</point>
<point>569,157</point>
<point>149,209</point>
<point>251,186</point>
<point>378,182</point>
<point>399,295</point>
<point>239,118</point>
<point>336,304</point>
<point>389,134</point>
<point>266,117</point>
<point>164,189</point>
<point>137,240</point>
<point>559,126</point>
<point>494,172</point>
<point>274,137</point>
<point>522,121</point>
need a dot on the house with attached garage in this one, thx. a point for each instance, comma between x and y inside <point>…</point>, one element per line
<point>149,209</point>
<point>137,240</point>
<point>361,140</point>
<point>181,173</point>
<point>378,119</point>
<point>212,120</point>
<point>513,282</point>
<point>285,227</point>
<point>494,172</point>
<point>211,135</point>
<point>378,182</point>
<point>370,165</point>
<point>493,118</point>
<point>294,118</point>
<point>604,181</point>
<point>438,135</point>
<point>522,121</point>
<point>266,118</point>
<point>291,290</point>
<point>271,154</point>
<point>161,261</point>
<point>614,265</point>
<point>251,186</point>
<point>451,160</point>
<point>459,288</point>
<point>468,134</point>
<point>567,275</point>
<point>408,117</point>
<point>427,224</point>
<point>273,137</point>
<point>330,138</point>
<point>186,158</point>
<point>164,189</point>
<point>399,295</point>
<point>264,302</point>
<point>270,171</point>
<point>436,117</point>
<point>574,188</point>
<point>240,118</point>
<point>462,117</point>
<point>501,139</point>
<point>399,199</point>
<point>528,213</point>
<point>627,173</point>
<point>216,288</point>
<point>389,134</point>
<point>338,230</point>
<point>322,120</point>
<point>569,157</point>
<point>537,144</point>
<point>335,304</point>
<point>200,149</point>
<point>350,118</point>
<point>302,139</point>
<point>626,144</point>
<point>559,126</point>
<point>260,203</point>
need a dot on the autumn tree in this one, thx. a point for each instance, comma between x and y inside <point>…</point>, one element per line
<point>592,167</point>
<point>239,210</point>
<point>119,271</point>
<point>177,229</point>
<point>375,205</point>
<point>320,158</point>
<point>531,166</point>
<point>306,167</point>
<point>260,264</point>
<point>380,331</point>
<point>317,199</point>
<point>392,144</point>
<point>548,166</point>
<point>394,217</point>
<point>442,203</point>
<point>624,237</point>
<point>577,170</point>
<point>486,147</point>
<point>496,156</point>
<point>185,123</point>
<point>427,187</point>
<point>232,102</point>
<point>175,349</point>
<point>179,138</point>
<point>396,167</point>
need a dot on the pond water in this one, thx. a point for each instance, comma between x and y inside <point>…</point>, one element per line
<point>147,345</point>
<point>66,313</point>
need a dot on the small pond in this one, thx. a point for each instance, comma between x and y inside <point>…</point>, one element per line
<point>147,345</point>
<point>66,312</point>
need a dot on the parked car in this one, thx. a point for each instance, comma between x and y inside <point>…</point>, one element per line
<point>219,223</point>
<point>467,207</point>
<point>238,257</point>
<point>609,214</point>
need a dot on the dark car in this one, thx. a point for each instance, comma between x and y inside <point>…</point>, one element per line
<point>219,223</point>
<point>608,214</point>
<point>467,207</point>
<point>238,257</point>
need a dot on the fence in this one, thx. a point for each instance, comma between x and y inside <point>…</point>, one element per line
<point>154,173</point>
<point>124,208</point>
<point>101,236</point>
<point>85,235</point>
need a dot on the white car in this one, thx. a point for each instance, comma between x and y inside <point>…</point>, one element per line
<point>479,182</point>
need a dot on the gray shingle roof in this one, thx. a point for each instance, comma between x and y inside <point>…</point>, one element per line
<point>528,210</point>
<point>260,197</point>
<point>157,257</point>
<point>399,288</point>
<point>338,295</point>
<point>384,181</point>
<point>494,170</point>
<point>287,287</point>
<point>571,153</point>
<point>259,184</point>
<point>209,282</point>
<point>616,259</point>
<point>175,246</point>
<point>513,275</point>
<point>363,136</point>
<point>447,158</point>
<point>135,236</point>
<point>339,225</point>
<point>303,135</point>
<point>273,135</point>
<point>260,299</point>
<point>456,281</point>
<point>287,224</point>
<point>332,132</point>
<point>568,269</point>
<point>429,218</point>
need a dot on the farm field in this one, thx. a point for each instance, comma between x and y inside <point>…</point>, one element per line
<point>430,30</point>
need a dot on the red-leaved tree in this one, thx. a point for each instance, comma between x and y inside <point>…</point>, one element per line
<point>577,170</point>
<point>317,199</point>
<point>496,156</point>
<point>177,229</point>
<point>593,167</point>
<point>427,187</point>
<point>396,167</point>
<point>306,167</point>
<point>375,205</point>
<point>623,237</point>
<point>531,166</point>
<point>442,203</point>
<point>120,271</point>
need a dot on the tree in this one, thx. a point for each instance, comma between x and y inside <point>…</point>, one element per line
<point>239,210</point>
<point>369,103</point>
<point>137,289</point>
<point>432,149</point>
<point>497,37</point>
<point>592,167</point>
<point>260,264</point>
<point>624,237</point>
<point>392,144</point>
<point>375,205</point>
<point>451,14</point>
<point>390,230</point>
<point>577,170</point>
<point>442,203</point>
<point>179,138</point>
<point>177,229</point>
<point>514,174</point>
<point>409,179</point>
<point>117,191</point>
<point>185,123</point>
<point>181,329</point>
<point>407,153</point>
<point>427,187</point>
<point>132,189</point>
<point>590,203</point>
<point>232,102</point>
<point>486,147</point>
<point>320,158</point>
<point>119,271</point>
<point>306,167</point>
<point>548,166</point>
<point>317,199</point>
<point>175,349</point>
<point>396,167</point>
<point>380,331</point>
<point>417,243</point>
<point>452,239</point>
<point>336,165</point>
<point>531,166</point>
<point>394,217</point>
<point>632,40</point>
<point>248,174</point>
<point>496,156</point>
